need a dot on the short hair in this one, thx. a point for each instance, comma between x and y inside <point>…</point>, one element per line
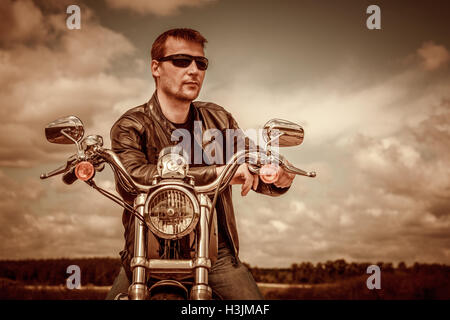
<point>158,47</point>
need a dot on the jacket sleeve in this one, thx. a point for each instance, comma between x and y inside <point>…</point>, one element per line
<point>264,188</point>
<point>127,142</point>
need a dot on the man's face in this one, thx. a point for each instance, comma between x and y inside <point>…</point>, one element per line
<point>180,83</point>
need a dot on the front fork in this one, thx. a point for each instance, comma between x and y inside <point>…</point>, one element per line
<point>200,264</point>
<point>138,288</point>
<point>201,290</point>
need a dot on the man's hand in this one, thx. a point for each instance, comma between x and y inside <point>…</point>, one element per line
<point>250,181</point>
<point>244,177</point>
<point>284,178</point>
<point>274,174</point>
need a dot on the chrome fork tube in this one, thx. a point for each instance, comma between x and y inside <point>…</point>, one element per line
<point>138,288</point>
<point>203,246</point>
<point>201,289</point>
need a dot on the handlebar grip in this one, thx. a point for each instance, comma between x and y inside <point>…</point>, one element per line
<point>69,177</point>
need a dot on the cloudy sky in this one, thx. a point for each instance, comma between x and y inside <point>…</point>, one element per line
<point>375,106</point>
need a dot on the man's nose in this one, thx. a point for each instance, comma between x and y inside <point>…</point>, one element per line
<point>192,68</point>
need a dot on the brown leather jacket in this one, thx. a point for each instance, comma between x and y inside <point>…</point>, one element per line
<point>138,137</point>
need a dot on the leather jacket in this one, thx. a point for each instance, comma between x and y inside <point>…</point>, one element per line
<point>138,136</point>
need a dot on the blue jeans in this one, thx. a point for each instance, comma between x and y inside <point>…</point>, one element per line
<point>228,278</point>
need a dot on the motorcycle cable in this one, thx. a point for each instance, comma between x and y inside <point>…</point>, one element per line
<point>216,195</point>
<point>117,200</point>
<point>213,205</point>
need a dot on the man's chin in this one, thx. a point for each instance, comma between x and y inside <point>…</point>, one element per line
<point>188,95</point>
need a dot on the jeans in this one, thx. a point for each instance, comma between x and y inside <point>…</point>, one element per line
<point>228,278</point>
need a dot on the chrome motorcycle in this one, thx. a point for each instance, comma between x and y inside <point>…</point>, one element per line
<point>175,223</point>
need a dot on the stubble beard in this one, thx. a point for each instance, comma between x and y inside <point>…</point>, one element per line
<point>186,96</point>
<point>179,93</point>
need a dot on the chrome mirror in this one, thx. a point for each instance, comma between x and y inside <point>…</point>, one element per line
<point>288,133</point>
<point>65,130</point>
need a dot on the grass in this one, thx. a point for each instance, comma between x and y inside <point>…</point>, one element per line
<point>394,286</point>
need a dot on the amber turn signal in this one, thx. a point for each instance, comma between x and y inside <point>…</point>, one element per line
<point>84,170</point>
<point>269,173</point>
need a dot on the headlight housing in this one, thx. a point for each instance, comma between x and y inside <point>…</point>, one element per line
<point>172,163</point>
<point>171,212</point>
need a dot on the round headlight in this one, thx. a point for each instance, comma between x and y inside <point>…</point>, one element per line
<point>171,212</point>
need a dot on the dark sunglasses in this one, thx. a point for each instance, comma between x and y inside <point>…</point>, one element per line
<point>185,60</point>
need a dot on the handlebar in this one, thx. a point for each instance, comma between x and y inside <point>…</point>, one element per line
<point>231,167</point>
<point>112,158</point>
<point>227,174</point>
<point>223,178</point>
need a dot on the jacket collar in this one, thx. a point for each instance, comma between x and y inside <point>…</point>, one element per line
<point>154,108</point>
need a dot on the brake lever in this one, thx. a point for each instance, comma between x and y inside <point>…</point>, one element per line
<point>61,169</point>
<point>281,160</point>
<point>54,172</point>
<point>291,169</point>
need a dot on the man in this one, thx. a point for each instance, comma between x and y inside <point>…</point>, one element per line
<point>178,67</point>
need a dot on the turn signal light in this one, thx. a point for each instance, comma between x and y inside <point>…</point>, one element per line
<point>84,170</point>
<point>269,173</point>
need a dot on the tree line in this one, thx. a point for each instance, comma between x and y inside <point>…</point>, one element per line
<point>332,271</point>
<point>102,271</point>
<point>95,271</point>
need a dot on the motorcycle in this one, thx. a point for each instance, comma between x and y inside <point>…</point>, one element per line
<point>175,223</point>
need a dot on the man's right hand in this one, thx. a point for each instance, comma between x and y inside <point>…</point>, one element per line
<point>244,177</point>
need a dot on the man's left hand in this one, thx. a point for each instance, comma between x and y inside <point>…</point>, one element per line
<point>284,178</point>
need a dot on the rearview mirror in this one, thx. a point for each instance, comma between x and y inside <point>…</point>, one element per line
<point>288,133</point>
<point>65,130</point>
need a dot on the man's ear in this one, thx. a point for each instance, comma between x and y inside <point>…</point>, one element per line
<point>155,68</point>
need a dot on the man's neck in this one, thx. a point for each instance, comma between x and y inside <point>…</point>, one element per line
<point>174,110</point>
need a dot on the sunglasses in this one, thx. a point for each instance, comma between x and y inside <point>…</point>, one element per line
<point>185,60</point>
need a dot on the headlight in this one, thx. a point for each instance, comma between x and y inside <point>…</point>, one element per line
<point>171,212</point>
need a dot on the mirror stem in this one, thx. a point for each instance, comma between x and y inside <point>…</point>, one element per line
<point>79,150</point>
<point>268,145</point>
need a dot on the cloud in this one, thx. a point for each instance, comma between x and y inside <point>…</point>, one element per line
<point>393,205</point>
<point>50,220</point>
<point>279,225</point>
<point>415,163</point>
<point>433,56</point>
<point>329,110</point>
<point>159,7</point>
<point>56,72</point>
<point>46,72</point>
<point>382,156</point>
<point>20,21</point>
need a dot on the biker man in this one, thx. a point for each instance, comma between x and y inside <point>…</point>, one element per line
<point>178,66</point>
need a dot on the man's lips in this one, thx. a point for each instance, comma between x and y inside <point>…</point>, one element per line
<point>191,83</point>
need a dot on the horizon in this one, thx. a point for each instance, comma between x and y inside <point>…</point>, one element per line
<point>298,263</point>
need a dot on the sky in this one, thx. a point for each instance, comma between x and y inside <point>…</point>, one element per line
<point>374,104</point>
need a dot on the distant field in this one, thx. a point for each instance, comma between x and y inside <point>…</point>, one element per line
<point>350,289</point>
<point>45,279</point>
<point>12,291</point>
